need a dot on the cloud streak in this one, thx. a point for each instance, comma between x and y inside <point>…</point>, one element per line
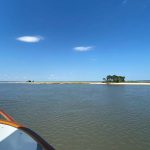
<point>124,2</point>
<point>51,77</point>
<point>83,48</point>
<point>30,39</point>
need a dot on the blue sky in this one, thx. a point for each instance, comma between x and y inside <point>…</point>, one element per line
<point>59,40</point>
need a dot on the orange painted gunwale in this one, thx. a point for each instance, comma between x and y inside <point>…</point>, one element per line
<point>6,116</point>
<point>11,122</point>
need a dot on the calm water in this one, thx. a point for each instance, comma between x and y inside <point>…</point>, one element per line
<point>82,117</point>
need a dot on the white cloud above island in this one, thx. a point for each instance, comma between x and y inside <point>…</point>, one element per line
<point>30,39</point>
<point>83,48</point>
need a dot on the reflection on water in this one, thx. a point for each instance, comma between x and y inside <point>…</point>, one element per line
<point>82,117</point>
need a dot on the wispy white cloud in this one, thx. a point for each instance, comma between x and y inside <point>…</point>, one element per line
<point>124,2</point>
<point>83,48</point>
<point>30,39</point>
<point>51,76</point>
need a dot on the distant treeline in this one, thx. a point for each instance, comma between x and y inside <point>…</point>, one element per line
<point>30,81</point>
<point>114,78</point>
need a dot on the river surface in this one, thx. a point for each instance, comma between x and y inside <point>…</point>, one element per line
<point>82,117</point>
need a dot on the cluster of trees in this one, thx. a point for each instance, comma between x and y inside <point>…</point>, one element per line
<point>114,78</point>
<point>30,81</point>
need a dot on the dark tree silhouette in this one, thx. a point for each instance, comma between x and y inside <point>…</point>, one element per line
<point>114,78</point>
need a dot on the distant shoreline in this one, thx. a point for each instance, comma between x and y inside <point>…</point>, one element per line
<point>91,83</point>
<point>78,82</point>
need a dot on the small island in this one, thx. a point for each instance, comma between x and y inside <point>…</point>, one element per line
<point>114,79</point>
<point>108,80</point>
<point>30,81</point>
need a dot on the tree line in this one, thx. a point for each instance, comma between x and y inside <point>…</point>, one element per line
<point>114,78</point>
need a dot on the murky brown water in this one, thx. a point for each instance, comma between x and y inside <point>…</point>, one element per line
<point>82,117</point>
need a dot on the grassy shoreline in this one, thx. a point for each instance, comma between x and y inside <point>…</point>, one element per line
<point>78,82</point>
<point>93,83</point>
